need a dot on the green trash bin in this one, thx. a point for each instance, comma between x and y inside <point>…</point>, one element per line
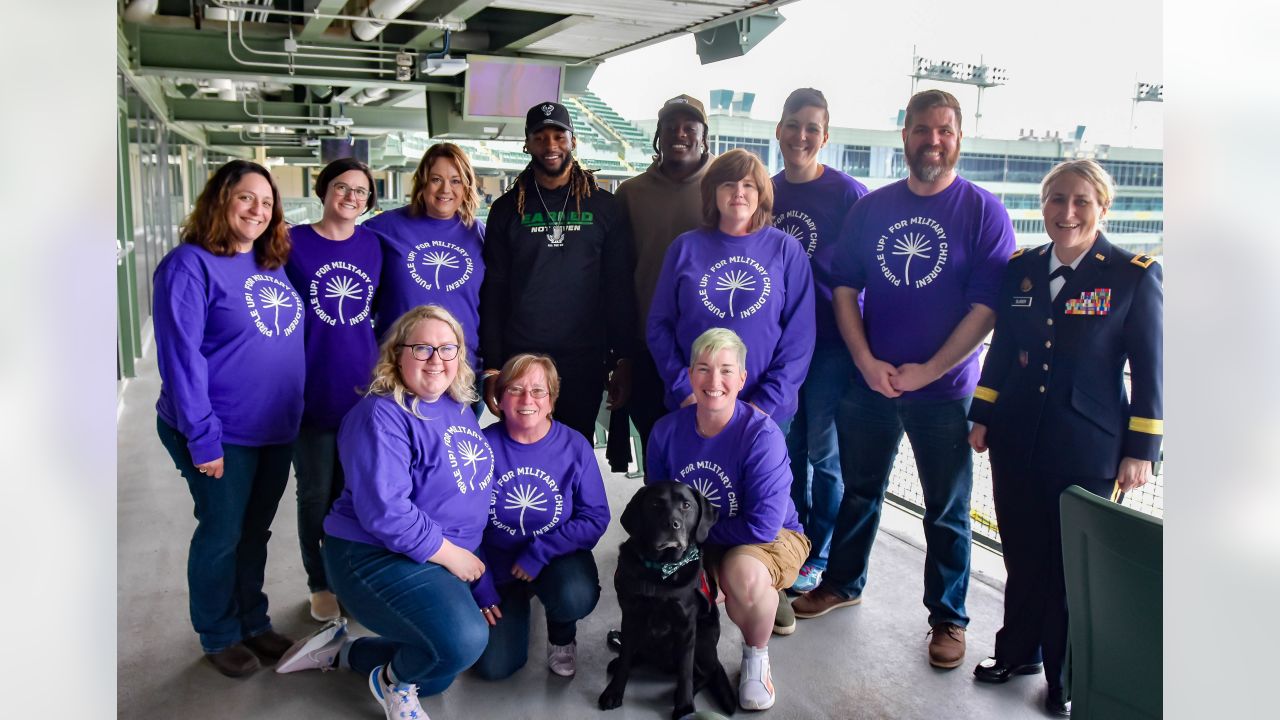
<point>1112,557</point>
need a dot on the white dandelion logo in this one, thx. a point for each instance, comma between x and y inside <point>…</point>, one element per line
<point>471,454</point>
<point>439,260</point>
<point>343,287</point>
<point>525,497</point>
<point>274,297</point>
<point>733,281</point>
<point>709,491</point>
<point>911,245</point>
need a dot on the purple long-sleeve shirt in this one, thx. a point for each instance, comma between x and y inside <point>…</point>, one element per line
<point>430,261</point>
<point>338,279</point>
<point>548,500</point>
<point>229,349</point>
<point>813,212</point>
<point>758,285</point>
<point>412,482</point>
<point>744,471</point>
<point>921,262</point>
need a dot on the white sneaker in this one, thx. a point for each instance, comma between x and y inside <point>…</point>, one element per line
<point>324,606</point>
<point>755,686</point>
<point>317,651</point>
<point>562,659</point>
<point>399,701</point>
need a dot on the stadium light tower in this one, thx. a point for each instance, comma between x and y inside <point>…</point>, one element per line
<point>981,76</point>
<point>1143,92</point>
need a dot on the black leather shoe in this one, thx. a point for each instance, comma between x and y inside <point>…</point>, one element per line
<point>236,661</point>
<point>614,640</point>
<point>992,670</point>
<point>1056,703</point>
<point>270,646</point>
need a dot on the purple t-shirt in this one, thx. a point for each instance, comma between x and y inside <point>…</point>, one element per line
<point>758,285</point>
<point>338,280</point>
<point>412,482</point>
<point>229,348</point>
<point>427,261</point>
<point>812,213</point>
<point>744,471</point>
<point>921,262</point>
<point>548,500</point>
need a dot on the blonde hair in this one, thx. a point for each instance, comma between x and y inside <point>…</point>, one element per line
<point>732,167</point>
<point>386,373</point>
<point>421,181</point>
<point>1090,171</point>
<point>716,339</point>
<point>516,366</point>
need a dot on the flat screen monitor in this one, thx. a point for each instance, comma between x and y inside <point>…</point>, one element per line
<point>502,89</point>
<point>337,148</point>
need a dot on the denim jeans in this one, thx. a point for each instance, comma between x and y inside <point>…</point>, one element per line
<point>228,554</point>
<point>817,486</point>
<point>870,428</point>
<point>429,628</point>
<point>569,587</point>
<point>320,482</point>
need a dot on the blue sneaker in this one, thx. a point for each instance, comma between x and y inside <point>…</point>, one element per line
<point>810,577</point>
<point>399,701</point>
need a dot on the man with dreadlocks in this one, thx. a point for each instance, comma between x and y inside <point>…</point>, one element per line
<point>557,275</point>
<point>662,202</point>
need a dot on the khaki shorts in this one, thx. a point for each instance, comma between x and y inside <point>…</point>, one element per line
<point>783,557</point>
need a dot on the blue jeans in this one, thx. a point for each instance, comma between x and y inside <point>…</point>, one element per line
<point>871,426</point>
<point>569,587</point>
<point>428,624</point>
<point>812,444</point>
<point>228,554</point>
<point>320,482</point>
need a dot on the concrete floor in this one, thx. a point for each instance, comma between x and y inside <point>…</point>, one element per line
<point>868,661</point>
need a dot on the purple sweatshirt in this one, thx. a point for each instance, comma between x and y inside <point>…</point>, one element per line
<point>921,262</point>
<point>758,285</point>
<point>743,471</point>
<point>429,261</point>
<point>548,500</point>
<point>338,280</point>
<point>412,482</point>
<point>813,213</point>
<point>229,347</point>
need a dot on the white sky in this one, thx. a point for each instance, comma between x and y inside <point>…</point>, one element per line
<point>1068,64</point>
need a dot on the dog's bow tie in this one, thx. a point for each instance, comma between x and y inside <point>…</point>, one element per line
<point>669,569</point>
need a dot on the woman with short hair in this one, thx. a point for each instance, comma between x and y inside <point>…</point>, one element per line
<point>548,510</point>
<point>1052,405</point>
<point>741,273</point>
<point>334,265</point>
<point>228,330</point>
<point>400,541</point>
<point>736,457</point>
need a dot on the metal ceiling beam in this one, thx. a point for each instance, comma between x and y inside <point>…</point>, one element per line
<point>369,118</point>
<point>461,10</point>
<point>315,27</point>
<point>546,32</point>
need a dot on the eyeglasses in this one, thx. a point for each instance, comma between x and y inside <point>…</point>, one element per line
<point>424,352</point>
<point>536,393</point>
<point>345,189</point>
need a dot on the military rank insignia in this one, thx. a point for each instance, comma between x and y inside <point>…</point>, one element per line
<point>1097,302</point>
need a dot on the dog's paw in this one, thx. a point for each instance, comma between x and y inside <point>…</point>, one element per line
<point>610,698</point>
<point>682,711</point>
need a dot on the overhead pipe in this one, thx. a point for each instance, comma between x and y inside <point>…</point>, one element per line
<point>379,10</point>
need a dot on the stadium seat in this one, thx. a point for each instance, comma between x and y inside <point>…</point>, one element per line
<point>1112,556</point>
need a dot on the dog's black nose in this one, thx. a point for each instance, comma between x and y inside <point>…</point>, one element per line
<point>675,524</point>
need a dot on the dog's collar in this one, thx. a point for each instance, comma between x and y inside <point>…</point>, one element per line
<point>669,569</point>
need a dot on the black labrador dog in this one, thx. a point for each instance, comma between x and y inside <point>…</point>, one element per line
<point>669,616</point>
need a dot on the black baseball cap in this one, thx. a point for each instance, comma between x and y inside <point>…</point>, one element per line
<point>547,113</point>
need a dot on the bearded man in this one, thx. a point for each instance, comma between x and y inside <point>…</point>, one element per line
<point>928,253</point>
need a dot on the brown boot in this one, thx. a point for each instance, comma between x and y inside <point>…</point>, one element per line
<point>946,647</point>
<point>236,661</point>
<point>270,646</point>
<point>820,601</point>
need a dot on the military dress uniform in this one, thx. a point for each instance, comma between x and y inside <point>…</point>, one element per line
<point>1053,399</point>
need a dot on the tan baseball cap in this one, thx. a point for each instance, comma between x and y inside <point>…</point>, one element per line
<point>684,103</point>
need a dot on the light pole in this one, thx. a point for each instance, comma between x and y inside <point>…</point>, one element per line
<point>981,76</point>
<point>1143,92</point>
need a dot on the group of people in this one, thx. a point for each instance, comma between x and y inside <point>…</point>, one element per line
<point>770,338</point>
